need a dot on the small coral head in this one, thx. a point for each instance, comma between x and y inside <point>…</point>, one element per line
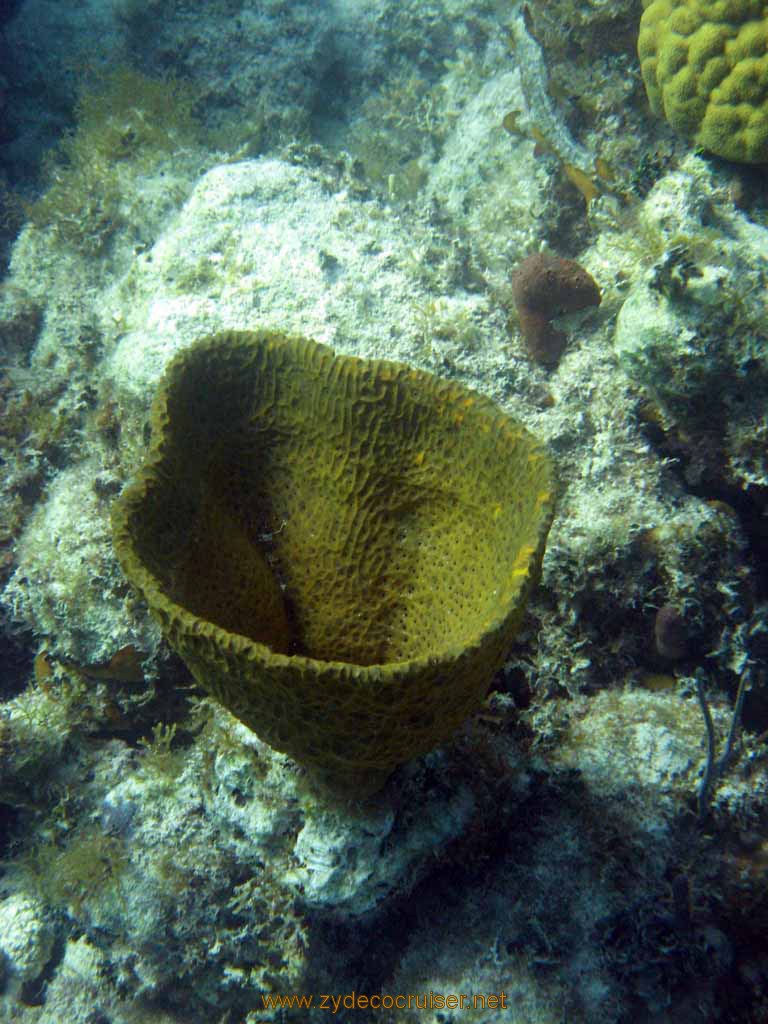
<point>543,287</point>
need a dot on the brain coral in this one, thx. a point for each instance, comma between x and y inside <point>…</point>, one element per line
<point>705,68</point>
<point>340,549</point>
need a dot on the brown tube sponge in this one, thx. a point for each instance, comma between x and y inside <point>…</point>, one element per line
<point>545,286</point>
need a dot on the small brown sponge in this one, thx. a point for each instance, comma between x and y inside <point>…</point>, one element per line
<point>341,550</point>
<point>545,286</point>
<point>705,68</point>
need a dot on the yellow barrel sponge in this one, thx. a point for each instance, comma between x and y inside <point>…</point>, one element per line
<point>341,550</point>
<point>705,68</point>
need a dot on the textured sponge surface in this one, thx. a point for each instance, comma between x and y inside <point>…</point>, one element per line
<point>705,68</point>
<point>340,549</point>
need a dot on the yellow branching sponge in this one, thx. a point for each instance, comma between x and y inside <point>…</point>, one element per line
<point>341,550</point>
<point>705,68</point>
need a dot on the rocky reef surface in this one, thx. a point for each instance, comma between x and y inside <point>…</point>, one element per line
<point>594,843</point>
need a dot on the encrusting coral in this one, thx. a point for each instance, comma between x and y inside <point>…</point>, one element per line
<point>545,286</point>
<point>341,550</point>
<point>705,68</point>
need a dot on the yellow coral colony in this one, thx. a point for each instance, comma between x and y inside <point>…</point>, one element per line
<point>705,68</point>
<point>341,550</point>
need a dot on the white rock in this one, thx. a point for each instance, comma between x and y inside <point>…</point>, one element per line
<point>26,939</point>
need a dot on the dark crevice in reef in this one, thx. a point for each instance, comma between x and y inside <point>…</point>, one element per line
<point>699,466</point>
<point>373,954</point>
<point>9,820</point>
<point>16,659</point>
<point>751,508</point>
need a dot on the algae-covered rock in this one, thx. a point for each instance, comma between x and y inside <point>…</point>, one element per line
<point>26,940</point>
<point>341,550</point>
<point>705,68</point>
